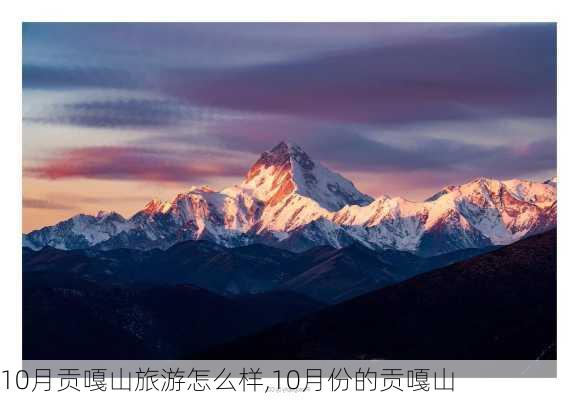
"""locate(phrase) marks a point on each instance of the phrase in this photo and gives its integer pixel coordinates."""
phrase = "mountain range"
(296, 263)
(199, 300)
(288, 201)
(497, 306)
(325, 274)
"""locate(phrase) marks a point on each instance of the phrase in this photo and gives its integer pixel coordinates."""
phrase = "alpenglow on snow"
(288, 200)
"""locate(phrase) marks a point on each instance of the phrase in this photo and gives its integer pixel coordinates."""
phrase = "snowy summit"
(288, 200)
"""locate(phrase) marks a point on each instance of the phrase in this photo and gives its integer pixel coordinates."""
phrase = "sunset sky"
(117, 114)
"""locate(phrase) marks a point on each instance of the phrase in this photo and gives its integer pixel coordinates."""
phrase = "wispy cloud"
(44, 204)
(75, 77)
(200, 100)
(497, 70)
(505, 71)
(119, 113)
(133, 163)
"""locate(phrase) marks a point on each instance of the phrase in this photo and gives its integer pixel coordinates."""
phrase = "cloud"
(438, 154)
(119, 113)
(391, 73)
(356, 147)
(368, 98)
(375, 166)
(82, 199)
(44, 204)
(507, 71)
(138, 46)
(75, 77)
(134, 163)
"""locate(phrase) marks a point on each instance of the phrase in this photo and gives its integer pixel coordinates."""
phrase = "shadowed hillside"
(500, 305)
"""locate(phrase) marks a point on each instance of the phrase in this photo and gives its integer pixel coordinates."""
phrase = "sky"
(116, 114)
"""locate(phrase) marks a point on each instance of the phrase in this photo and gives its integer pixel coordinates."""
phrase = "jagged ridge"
(288, 200)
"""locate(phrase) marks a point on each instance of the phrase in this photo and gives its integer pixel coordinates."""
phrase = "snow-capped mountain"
(287, 171)
(552, 181)
(288, 200)
(480, 213)
(289, 190)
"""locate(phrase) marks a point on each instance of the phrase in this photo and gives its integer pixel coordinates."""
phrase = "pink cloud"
(135, 163)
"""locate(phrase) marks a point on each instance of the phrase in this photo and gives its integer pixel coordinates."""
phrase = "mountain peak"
(202, 189)
(281, 147)
(281, 155)
(287, 169)
(155, 206)
(284, 145)
(483, 181)
(103, 213)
